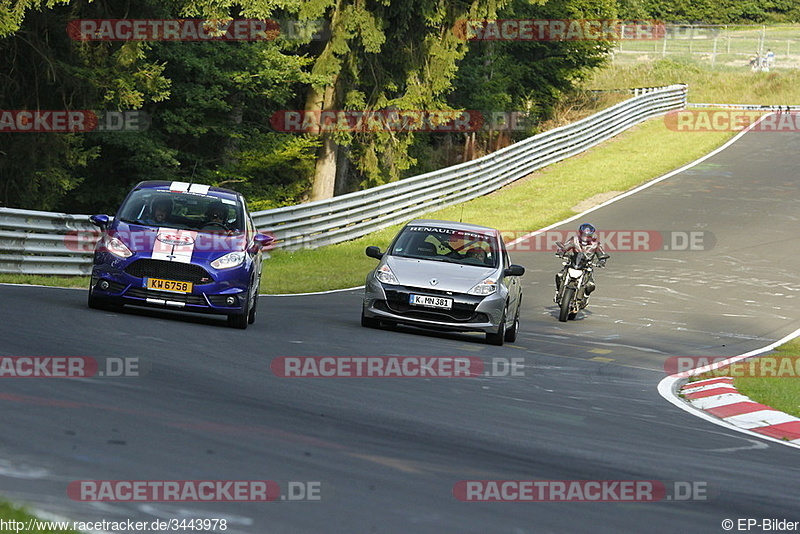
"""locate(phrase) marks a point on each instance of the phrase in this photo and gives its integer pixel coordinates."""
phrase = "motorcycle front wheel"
(566, 303)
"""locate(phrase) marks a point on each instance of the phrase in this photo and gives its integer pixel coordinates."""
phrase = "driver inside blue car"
(160, 210)
(217, 214)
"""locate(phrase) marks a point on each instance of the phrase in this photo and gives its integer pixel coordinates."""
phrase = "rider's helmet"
(586, 233)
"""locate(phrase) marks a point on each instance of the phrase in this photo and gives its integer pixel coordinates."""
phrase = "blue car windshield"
(448, 245)
(183, 211)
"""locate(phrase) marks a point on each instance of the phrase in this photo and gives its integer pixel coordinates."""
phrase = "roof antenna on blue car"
(191, 178)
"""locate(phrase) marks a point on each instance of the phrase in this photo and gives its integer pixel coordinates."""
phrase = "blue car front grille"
(170, 270)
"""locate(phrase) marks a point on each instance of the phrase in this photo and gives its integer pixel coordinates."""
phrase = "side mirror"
(262, 240)
(514, 270)
(374, 252)
(101, 221)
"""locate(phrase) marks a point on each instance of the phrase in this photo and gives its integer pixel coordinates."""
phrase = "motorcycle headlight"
(231, 259)
(384, 274)
(486, 287)
(117, 247)
(575, 273)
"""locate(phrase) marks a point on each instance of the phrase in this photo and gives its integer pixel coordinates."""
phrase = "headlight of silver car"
(486, 287)
(384, 274)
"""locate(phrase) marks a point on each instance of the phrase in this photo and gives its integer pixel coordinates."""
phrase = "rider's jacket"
(592, 248)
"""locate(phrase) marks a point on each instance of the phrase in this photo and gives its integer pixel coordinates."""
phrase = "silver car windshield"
(447, 245)
(184, 211)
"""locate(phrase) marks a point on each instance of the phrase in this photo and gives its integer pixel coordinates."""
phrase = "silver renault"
(445, 275)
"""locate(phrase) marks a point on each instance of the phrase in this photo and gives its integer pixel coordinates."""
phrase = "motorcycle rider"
(587, 242)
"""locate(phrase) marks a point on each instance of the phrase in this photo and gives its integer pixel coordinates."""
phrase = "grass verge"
(10, 512)
(724, 85)
(42, 280)
(778, 387)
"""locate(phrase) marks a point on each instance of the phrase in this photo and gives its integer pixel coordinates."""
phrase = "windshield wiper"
(136, 221)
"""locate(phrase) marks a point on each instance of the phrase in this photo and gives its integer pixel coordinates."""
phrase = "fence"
(717, 45)
(55, 243)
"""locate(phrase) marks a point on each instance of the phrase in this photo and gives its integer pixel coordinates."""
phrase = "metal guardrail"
(353, 215)
(41, 242)
(35, 242)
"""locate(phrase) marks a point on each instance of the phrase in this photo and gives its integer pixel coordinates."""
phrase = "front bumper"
(470, 313)
(111, 283)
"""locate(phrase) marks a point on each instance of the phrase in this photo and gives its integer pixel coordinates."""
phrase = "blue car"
(180, 246)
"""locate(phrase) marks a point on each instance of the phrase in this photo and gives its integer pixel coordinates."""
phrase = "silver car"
(445, 275)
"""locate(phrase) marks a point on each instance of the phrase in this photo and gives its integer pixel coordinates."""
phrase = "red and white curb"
(719, 397)
(717, 401)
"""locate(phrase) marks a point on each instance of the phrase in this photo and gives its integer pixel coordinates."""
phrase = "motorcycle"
(574, 283)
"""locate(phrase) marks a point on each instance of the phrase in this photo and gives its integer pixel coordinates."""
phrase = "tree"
(44, 70)
(529, 77)
(210, 105)
(394, 54)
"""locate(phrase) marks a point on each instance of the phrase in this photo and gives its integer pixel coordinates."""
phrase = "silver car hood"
(453, 277)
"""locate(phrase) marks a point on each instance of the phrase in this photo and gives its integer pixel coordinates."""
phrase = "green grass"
(10, 512)
(41, 280)
(720, 86)
(781, 393)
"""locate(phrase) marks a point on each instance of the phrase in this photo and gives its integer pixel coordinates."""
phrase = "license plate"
(431, 302)
(169, 285)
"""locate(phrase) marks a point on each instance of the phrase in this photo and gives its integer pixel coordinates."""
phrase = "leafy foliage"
(210, 103)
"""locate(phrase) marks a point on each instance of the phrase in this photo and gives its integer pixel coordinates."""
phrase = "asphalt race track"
(388, 452)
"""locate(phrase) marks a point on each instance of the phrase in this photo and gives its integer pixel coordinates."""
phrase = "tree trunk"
(324, 182)
(344, 180)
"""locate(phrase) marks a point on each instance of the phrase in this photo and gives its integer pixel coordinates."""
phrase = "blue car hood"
(173, 244)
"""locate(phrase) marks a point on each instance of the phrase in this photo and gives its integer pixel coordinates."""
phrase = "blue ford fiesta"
(180, 246)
